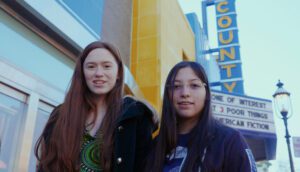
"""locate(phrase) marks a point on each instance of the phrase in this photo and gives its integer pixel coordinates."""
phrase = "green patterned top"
(89, 154)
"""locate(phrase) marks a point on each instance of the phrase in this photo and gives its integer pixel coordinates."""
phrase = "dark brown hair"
(59, 150)
(167, 138)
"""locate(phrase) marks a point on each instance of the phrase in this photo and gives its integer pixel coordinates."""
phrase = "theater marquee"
(243, 112)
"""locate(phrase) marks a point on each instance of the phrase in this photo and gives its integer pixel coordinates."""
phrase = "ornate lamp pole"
(283, 105)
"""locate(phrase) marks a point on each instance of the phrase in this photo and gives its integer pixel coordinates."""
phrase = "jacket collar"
(129, 109)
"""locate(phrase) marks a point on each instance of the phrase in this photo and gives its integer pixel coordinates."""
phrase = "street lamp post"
(283, 105)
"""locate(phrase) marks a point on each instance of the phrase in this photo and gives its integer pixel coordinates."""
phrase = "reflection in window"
(42, 118)
(12, 117)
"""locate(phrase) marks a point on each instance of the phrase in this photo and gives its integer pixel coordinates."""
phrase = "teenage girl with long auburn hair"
(95, 128)
(190, 139)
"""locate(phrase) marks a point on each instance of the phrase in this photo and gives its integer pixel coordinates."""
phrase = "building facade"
(38, 49)
(40, 42)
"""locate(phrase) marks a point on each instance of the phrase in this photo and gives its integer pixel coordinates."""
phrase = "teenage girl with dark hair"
(95, 128)
(190, 139)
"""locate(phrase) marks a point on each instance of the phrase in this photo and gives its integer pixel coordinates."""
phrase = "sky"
(269, 35)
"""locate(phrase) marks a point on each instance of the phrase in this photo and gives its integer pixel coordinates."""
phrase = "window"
(12, 117)
(43, 113)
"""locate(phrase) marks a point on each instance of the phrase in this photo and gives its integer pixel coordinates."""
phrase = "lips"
(98, 83)
(185, 104)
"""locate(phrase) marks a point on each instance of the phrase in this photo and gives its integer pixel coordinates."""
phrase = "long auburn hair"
(167, 138)
(61, 151)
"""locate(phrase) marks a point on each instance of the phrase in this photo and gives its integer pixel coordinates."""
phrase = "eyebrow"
(196, 79)
(104, 62)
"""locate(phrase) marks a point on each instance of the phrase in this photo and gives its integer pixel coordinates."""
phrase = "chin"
(187, 114)
(100, 92)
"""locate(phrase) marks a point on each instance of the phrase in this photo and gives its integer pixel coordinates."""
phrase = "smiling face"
(100, 70)
(189, 94)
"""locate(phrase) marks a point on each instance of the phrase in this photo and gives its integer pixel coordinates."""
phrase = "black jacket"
(133, 137)
(228, 152)
(224, 150)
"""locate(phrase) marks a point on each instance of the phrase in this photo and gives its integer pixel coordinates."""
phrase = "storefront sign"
(243, 112)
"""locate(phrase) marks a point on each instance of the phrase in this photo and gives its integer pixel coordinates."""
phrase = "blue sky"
(269, 35)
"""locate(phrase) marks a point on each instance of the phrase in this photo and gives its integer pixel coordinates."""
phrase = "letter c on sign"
(220, 9)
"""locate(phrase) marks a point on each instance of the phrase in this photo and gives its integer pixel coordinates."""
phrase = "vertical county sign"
(229, 48)
(243, 112)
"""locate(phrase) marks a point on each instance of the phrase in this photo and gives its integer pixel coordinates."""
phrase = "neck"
(98, 116)
(186, 125)
(101, 107)
(99, 99)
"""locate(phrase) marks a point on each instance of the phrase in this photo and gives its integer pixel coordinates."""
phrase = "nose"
(99, 72)
(185, 91)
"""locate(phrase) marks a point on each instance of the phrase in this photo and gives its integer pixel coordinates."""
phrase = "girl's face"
(100, 70)
(189, 94)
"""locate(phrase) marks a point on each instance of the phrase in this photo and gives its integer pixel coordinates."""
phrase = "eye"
(107, 66)
(194, 86)
(90, 66)
(177, 86)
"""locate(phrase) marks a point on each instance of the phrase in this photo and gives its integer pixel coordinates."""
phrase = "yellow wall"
(160, 35)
